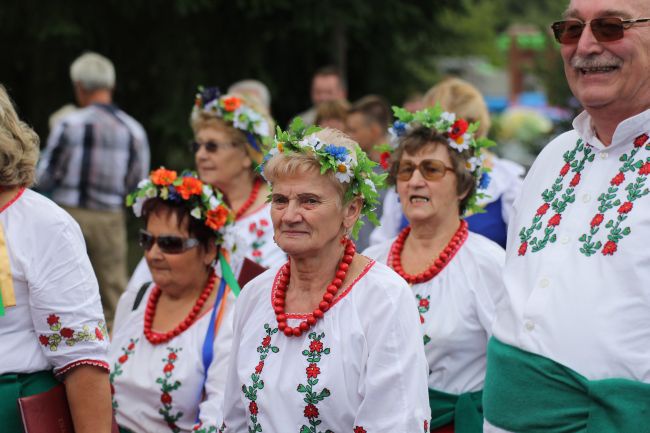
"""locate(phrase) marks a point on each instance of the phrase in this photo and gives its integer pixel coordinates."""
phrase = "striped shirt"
(93, 158)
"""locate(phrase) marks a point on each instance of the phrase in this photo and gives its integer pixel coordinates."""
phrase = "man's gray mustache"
(600, 61)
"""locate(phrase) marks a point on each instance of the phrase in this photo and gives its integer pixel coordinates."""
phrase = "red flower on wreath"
(252, 408)
(618, 179)
(645, 169)
(163, 177)
(259, 367)
(312, 370)
(232, 103)
(555, 220)
(358, 429)
(522, 248)
(576, 180)
(44, 340)
(266, 341)
(316, 346)
(166, 398)
(458, 128)
(597, 220)
(625, 207)
(52, 319)
(640, 140)
(67, 333)
(542, 209)
(311, 411)
(565, 169)
(190, 186)
(383, 160)
(610, 248)
(216, 218)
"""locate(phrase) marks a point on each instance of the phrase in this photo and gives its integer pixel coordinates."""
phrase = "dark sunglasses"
(168, 244)
(430, 169)
(604, 29)
(210, 146)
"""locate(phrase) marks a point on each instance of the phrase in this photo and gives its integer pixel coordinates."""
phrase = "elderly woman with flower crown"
(170, 344)
(455, 276)
(324, 342)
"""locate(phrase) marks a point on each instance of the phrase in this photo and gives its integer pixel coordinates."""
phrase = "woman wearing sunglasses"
(171, 341)
(52, 328)
(455, 275)
(324, 343)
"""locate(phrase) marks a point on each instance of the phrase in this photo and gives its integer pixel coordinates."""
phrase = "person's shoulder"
(130, 121)
(481, 257)
(378, 281)
(560, 144)
(41, 211)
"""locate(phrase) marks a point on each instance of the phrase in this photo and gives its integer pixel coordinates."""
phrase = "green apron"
(529, 393)
(464, 410)
(13, 386)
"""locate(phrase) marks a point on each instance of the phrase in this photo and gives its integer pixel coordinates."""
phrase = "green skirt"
(14, 386)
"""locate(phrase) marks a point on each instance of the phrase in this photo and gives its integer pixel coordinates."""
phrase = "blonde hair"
(93, 71)
(289, 164)
(460, 97)
(336, 109)
(18, 146)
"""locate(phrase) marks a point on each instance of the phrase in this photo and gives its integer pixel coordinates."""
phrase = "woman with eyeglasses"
(455, 275)
(171, 342)
(324, 343)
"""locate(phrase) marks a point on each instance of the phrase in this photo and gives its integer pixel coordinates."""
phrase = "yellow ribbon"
(7, 295)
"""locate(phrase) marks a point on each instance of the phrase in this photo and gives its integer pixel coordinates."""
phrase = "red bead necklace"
(250, 200)
(325, 304)
(438, 264)
(157, 337)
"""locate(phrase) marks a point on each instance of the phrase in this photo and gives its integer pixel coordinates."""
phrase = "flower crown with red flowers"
(203, 201)
(460, 136)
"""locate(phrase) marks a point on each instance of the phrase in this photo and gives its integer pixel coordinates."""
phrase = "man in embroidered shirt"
(93, 158)
(571, 346)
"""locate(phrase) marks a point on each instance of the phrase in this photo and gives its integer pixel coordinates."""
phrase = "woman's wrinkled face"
(424, 199)
(175, 271)
(307, 213)
(225, 162)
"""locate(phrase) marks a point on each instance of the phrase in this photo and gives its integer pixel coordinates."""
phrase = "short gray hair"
(93, 71)
(253, 88)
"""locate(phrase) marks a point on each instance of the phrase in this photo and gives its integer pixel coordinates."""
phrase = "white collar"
(625, 132)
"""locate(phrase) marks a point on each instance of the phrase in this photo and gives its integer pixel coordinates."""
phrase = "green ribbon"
(464, 410)
(525, 392)
(227, 274)
(2, 306)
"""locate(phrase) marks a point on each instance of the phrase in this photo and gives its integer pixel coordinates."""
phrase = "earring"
(344, 239)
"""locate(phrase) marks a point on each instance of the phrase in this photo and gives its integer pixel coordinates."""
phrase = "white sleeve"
(490, 289)
(390, 220)
(395, 384)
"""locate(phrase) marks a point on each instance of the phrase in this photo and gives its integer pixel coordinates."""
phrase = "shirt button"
(544, 282)
(604, 155)
(529, 325)
(586, 198)
(564, 240)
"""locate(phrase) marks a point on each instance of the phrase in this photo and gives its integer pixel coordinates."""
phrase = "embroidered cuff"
(93, 362)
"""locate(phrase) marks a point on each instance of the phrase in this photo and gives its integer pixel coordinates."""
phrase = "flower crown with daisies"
(356, 171)
(460, 136)
(204, 202)
(237, 112)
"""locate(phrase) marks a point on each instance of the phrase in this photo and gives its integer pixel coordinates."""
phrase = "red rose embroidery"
(576, 180)
(44, 340)
(640, 140)
(618, 179)
(259, 367)
(264, 223)
(99, 335)
(458, 128)
(311, 411)
(555, 220)
(256, 253)
(316, 346)
(358, 429)
(426, 425)
(67, 333)
(565, 169)
(252, 407)
(597, 220)
(625, 207)
(609, 248)
(165, 398)
(52, 319)
(313, 370)
(260, 233)
(122, 359)
(424, 303)
(172, 356)
(168, 368)
(543, 208)
(421, 318)
(131, 346)
(645, 169)
(252, 227)
(522, 248)
(266, 341)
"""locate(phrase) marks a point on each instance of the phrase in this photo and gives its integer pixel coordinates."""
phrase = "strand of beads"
(250, 200)
(438, 264)
(158, 337)
(323, 306)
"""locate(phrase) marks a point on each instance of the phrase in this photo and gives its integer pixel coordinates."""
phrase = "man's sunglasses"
(430, 169)
(604, 29)
(210, 146)
(168, 244)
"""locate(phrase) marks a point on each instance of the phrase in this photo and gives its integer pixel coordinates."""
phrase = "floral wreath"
(460, 136)
(237, 112)
(359, 173)
(205, 202)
